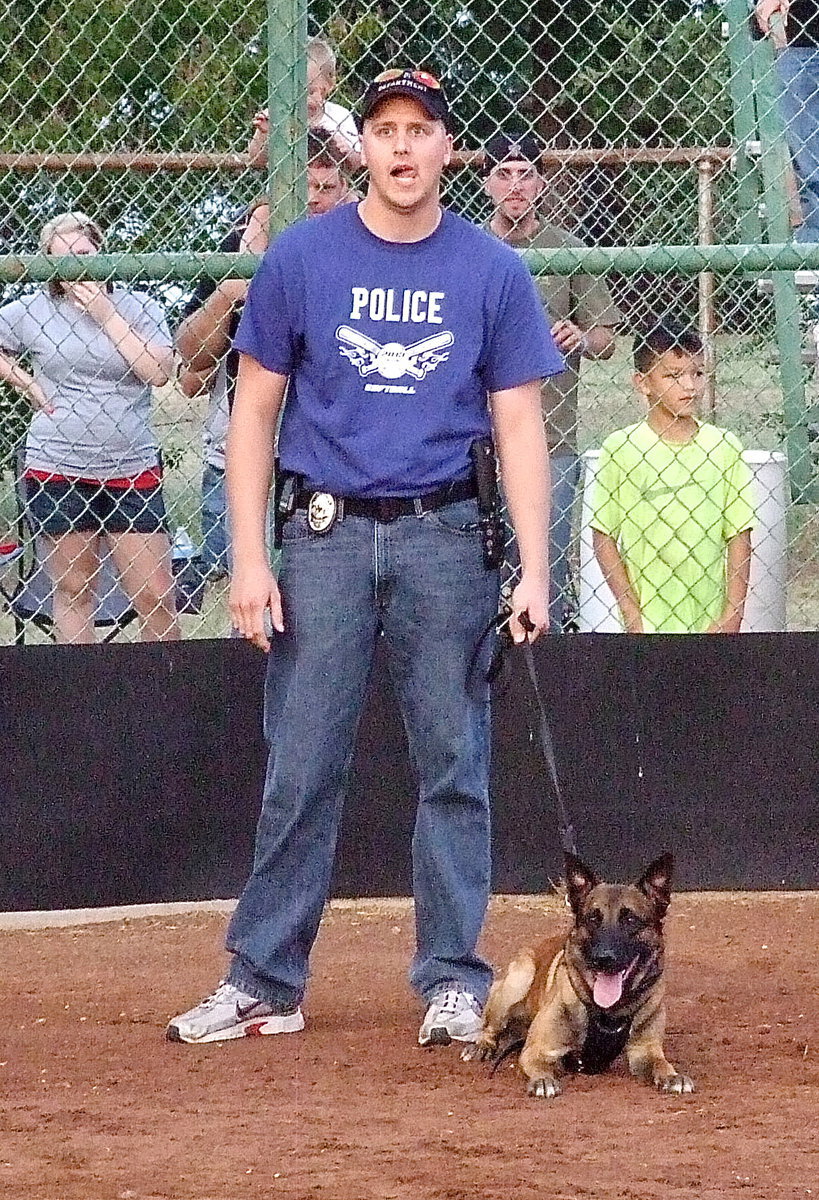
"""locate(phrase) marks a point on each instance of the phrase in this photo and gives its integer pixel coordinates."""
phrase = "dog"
(574, 1005)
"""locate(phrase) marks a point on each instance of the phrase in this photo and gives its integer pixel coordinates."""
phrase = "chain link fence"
(656, 125)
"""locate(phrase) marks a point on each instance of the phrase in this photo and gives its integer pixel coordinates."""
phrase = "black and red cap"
(405, 81)
(506, 147)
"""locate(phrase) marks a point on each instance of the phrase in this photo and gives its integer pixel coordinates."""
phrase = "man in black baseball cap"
(583, 318)
(406, 340)
(405, 81)
(504, 146)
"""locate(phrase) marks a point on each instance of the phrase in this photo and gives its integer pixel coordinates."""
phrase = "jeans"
(421, 581)
(798, 68)
(565, 472)
(215, 535)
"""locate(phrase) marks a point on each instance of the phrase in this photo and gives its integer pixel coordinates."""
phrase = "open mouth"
(607, 988)
(403, 171)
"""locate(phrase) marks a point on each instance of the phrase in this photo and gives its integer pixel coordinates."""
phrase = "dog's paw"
(544, 1089)
(676, 1085)
(478, 1051)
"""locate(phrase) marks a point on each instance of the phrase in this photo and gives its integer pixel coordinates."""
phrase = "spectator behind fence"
(211, 318)
(203, 342)
(798, 68)
(323, 115)
(584, 318)
(673, 507)
(402, 335)
(327, 181)
(92, 463)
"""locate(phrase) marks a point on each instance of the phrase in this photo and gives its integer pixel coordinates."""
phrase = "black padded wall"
(131, 774)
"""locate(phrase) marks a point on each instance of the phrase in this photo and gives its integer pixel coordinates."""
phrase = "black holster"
(285, 489)
(485, 468)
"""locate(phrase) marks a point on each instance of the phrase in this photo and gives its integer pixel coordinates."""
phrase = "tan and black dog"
(575, 1004)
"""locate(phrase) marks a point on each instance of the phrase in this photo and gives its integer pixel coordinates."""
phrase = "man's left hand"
(530, 610)
(568, 337)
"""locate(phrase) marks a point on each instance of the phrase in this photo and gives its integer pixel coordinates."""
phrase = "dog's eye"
(630, 919)
(594, 917)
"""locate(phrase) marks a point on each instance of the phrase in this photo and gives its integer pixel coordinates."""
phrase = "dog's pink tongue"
(608, 988)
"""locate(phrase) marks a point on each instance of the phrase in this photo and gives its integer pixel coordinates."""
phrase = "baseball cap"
(504, 147)
(405, 81)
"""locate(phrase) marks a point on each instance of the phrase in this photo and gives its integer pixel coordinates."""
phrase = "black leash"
(565, 829)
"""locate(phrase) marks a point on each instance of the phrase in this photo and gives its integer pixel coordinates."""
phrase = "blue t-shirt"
(391, 348)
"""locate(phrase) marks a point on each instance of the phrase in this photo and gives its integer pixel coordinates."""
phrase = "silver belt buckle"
(322, 510)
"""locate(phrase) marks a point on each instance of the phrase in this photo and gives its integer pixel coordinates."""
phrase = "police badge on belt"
(322, 511)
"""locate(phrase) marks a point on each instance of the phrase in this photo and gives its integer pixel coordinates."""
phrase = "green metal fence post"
(738, 47)
(287, 108)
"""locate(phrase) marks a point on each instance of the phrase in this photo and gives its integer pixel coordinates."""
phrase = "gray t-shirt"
(583, 299)
(100, 427)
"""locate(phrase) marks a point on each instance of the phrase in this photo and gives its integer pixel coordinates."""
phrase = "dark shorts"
(70, 506)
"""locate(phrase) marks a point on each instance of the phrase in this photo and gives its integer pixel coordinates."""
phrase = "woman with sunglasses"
(404, 337)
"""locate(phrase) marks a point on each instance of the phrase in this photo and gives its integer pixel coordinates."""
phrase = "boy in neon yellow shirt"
(673, 508)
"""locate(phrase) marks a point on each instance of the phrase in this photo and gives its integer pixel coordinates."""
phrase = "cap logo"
(415, 84)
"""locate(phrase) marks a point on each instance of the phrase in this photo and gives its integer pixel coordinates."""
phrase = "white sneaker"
(452, 1016)
(231, 1013)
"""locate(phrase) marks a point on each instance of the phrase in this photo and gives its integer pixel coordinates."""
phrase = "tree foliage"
(171, 75)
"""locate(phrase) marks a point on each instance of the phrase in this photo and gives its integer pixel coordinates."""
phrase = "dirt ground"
(96, 1106)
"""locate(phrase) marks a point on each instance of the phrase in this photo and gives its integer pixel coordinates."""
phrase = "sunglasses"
(422, 77)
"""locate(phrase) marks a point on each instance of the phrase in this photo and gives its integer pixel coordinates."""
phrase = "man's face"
(405, 151)
(514, 188)
(325, 189)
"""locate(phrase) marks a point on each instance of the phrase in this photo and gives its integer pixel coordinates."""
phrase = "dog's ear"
(579, 881)
(655, 882)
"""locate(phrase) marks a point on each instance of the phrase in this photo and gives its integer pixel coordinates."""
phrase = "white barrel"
(765, 606)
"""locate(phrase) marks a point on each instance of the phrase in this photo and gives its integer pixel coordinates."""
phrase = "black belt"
(389, 508)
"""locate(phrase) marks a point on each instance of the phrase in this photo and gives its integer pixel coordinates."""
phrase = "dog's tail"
(514, 1046)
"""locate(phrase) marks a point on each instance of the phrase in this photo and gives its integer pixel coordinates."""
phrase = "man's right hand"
(253, 592)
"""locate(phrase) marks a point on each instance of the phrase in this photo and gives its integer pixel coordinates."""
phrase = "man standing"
(796, 38)
(584, 318)
(403, 336)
